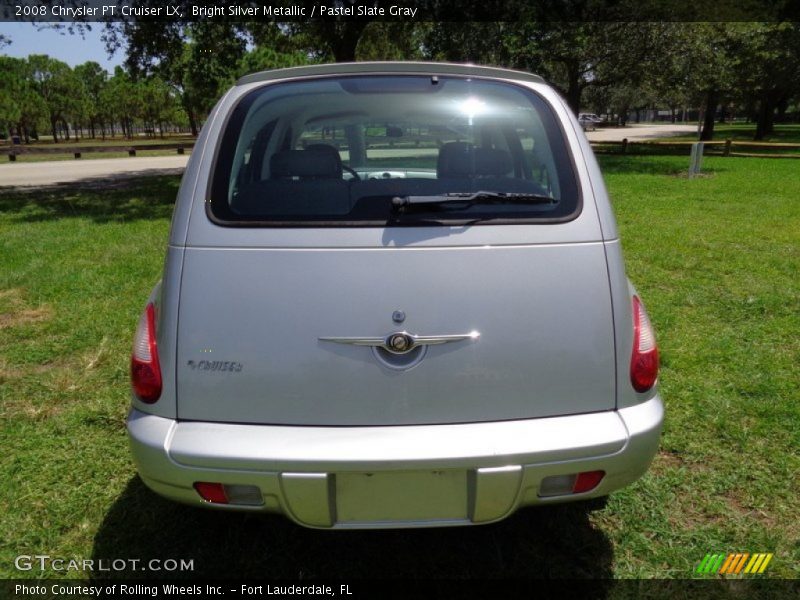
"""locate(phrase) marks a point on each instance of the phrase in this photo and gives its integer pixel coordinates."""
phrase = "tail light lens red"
(587, 481)
(145, 370)
(574, 483)
(211, 492)
(644, 360)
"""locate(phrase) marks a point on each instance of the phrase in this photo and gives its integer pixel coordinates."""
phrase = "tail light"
(211, 492)
(644, 360)
(218, 493)
(574, 483)
(145, 370)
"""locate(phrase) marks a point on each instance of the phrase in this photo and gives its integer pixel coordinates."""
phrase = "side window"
(538, 159)
(252, 155)
(329, 134)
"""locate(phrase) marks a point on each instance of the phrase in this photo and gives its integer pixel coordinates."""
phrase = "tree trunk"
(623, 116)
(22, 131)
(783, 106)
(66, 130)
(766, 117)
(343, 37)
(54, 129)
(574, 88)
(192, 122)
(712, 99)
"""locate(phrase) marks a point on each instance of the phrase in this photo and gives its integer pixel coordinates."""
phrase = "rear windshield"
(392, 151)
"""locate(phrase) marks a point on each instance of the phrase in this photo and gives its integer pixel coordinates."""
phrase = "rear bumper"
(399, 476)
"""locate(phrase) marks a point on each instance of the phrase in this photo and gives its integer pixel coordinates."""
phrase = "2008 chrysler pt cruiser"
(393, 296)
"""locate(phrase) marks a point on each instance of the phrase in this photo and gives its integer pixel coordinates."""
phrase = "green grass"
(716, 260)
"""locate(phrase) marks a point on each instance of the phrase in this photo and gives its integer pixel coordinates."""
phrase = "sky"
(27, 38)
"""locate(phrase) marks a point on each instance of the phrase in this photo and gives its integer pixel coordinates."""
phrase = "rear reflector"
(644, 359)
(211, 492)
(587, 481)
(145, 370)
(574, 483)
(218, 493)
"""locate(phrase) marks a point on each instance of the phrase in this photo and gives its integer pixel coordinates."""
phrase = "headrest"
(461, 159)
(316, 162)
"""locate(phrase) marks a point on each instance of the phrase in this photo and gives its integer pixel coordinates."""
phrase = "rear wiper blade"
(470, 198)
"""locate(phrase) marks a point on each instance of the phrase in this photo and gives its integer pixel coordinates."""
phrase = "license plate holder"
(401, 496)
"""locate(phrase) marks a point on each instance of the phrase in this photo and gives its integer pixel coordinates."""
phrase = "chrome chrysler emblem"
(402, 342)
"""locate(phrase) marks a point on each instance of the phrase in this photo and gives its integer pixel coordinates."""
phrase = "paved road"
(639, 132)
(67, 171)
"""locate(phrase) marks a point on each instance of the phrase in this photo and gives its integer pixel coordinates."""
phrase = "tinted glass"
(341, 151)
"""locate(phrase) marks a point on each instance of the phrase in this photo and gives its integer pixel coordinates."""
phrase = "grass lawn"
(716, 259)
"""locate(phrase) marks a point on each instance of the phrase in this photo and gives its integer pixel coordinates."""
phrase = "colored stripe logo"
(734, 563)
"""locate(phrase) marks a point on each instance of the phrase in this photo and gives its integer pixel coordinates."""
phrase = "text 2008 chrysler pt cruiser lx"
(393, 296)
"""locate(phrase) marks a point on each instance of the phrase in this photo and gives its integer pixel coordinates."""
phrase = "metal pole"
(696, 159)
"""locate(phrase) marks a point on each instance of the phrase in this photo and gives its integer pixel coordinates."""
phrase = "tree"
(61, 90)
(580, 55)
(199, 60)
(123, 99)
(390, 40)
(94, 79)
(264, 58)
(772, 53)
(335, 40)
(572, 55)
(12, 80)
(157, 105)
(478, 42)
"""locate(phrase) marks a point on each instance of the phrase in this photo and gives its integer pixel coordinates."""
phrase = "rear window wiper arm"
(470, 198)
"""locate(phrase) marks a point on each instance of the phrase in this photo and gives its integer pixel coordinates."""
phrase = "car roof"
(410, 68)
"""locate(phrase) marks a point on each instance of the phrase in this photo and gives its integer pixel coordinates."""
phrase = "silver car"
(393, 296)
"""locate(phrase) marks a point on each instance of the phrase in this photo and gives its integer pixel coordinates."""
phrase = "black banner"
(67, 589)
(69, 11)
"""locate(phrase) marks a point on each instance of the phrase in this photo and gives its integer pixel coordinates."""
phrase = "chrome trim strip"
(412, 341)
